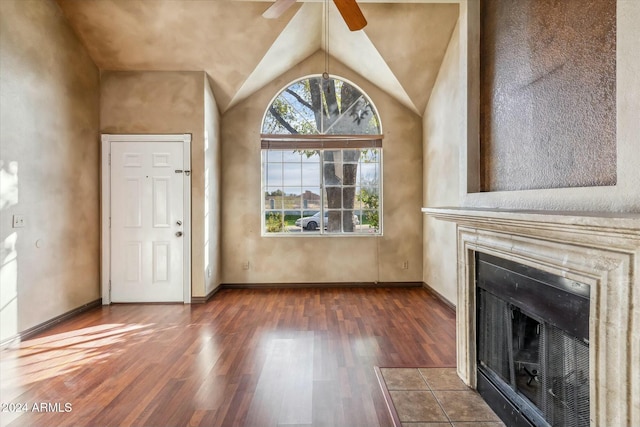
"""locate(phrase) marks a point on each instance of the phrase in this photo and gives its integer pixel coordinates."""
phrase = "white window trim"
(321, 141)
(321, 233)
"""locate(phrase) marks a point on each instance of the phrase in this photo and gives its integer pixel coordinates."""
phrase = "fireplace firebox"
(532, 344)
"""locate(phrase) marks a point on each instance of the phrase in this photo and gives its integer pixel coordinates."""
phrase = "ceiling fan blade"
(278, 8)
(351, 14)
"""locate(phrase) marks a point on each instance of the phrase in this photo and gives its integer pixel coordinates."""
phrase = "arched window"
(321, 161)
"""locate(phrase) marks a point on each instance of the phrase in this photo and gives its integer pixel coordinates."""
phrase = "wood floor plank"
(259, 357)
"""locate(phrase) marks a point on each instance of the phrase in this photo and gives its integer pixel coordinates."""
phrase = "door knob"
(178, 233)
(179, 222)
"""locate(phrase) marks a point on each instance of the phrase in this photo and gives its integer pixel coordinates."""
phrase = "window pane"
(370, 221)
(331, 177)
(274, 222)
(350, 156)
(356, 119)
(274, 156)
(331, 156)
(311, 175)
(273, 173)
(311, 222)
(292, 198)
(349, 196)
(287, 115)
(332, 168)
(349, 174)
(298, 99)
(291, 156)
(369, 173)
(369, 197)
(310, 156)
(370, 155)
(349, 221)
(357, 214)
(333, 221)
(292, 174)
(273, 198)
(311, 199)
(333, 197)
(271, 125)
(358, 205)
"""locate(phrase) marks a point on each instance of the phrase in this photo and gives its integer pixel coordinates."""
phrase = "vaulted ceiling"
(400, 50)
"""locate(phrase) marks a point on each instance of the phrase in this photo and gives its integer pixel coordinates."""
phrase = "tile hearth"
(433, 397)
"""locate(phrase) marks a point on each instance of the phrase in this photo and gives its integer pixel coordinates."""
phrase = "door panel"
(133, 203)
(146, 222)
(161, 264)
(133, 260)
(161, 199)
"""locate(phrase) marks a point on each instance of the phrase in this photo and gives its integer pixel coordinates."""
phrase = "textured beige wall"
(321, 259)
(212, 189)
(623, 197)
(443, 131)
(49, 121)
(548, 95)
(158, 102)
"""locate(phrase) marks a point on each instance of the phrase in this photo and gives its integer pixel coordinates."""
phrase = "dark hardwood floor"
(294, 357)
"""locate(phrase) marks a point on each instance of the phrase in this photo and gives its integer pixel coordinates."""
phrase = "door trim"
(105, 210)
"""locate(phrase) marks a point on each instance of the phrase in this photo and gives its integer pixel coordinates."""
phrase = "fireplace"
(595, 251)
(532, 344)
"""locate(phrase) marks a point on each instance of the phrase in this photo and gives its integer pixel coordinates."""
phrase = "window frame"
(321, 232)
(286, 142)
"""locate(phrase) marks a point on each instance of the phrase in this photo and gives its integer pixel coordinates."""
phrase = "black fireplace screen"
(530, 359)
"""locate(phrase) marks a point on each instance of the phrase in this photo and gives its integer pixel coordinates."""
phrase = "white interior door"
(147, 221)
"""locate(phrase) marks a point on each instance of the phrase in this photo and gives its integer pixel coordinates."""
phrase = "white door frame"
(105, 211)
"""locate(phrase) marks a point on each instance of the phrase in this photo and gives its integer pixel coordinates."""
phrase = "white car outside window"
(312, 223)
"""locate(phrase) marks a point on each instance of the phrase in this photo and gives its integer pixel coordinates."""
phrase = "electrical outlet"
(405, 265)
(18, 221)
(245, 265)
(208, 271)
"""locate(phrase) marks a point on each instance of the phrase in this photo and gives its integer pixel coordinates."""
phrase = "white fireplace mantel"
(601, 250)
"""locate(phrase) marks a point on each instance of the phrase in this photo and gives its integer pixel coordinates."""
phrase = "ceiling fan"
(349, 10)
